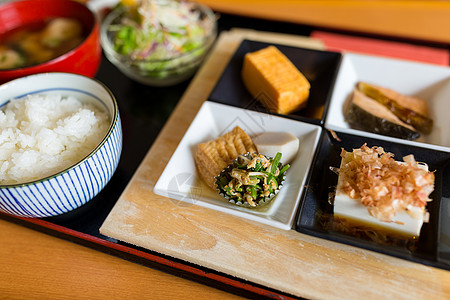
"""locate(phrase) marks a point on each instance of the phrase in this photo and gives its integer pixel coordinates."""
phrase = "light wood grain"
(284, 260)
(38, 266)
(422, 20)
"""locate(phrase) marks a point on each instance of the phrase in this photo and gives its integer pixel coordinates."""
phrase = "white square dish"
(181, 182)
(426, 81)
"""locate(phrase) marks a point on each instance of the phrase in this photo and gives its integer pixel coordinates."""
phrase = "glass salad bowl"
(158, 43)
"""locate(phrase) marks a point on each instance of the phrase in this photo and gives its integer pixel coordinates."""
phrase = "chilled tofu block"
(377, 192)
(274, 80)
(357, 215)
(270, 143)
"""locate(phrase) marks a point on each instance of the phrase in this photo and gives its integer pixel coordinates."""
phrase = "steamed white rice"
(44, 134)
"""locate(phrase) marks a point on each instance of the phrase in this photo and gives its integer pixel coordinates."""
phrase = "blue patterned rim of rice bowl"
(76, 185)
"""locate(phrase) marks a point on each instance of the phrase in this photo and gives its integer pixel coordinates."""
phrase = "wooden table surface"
(412, 19)
(39, 266)
(36, 265)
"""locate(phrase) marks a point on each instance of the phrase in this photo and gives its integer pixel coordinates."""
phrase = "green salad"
(153, 32)
(252, 179)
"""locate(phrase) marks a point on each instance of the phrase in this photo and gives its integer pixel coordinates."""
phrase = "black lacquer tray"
(144, 111)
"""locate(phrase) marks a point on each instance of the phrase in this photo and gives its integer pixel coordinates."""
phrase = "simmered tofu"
(270, 143)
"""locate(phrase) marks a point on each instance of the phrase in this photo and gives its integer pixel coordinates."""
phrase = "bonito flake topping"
(386, 186)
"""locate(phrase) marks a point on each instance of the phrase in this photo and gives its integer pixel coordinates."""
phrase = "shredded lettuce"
(152, 32)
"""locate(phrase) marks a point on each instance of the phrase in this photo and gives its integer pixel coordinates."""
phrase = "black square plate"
(319, 67)
(430, 249)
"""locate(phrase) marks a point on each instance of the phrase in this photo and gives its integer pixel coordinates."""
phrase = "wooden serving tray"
(287, 261)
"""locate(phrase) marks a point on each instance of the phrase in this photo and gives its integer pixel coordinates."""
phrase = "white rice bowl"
(60, 143)
(41, 135)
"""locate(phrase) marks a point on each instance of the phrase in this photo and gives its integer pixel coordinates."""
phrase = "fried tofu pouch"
(214, 156)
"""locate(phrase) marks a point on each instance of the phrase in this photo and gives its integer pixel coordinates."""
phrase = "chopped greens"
(252, 180)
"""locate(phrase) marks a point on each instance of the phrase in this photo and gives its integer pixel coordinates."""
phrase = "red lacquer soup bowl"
(81, 56)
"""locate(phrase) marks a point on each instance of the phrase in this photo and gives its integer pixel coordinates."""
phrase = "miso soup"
(39, 42)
